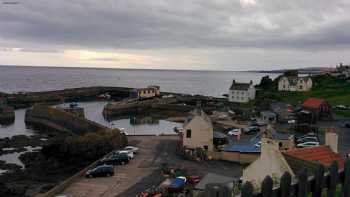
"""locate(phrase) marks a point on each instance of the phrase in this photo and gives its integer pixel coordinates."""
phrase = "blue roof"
(244, 147)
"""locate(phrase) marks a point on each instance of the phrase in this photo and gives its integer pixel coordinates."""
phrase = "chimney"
(332, 139)
(251, 82)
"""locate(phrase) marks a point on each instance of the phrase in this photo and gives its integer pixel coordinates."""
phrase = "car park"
(308, 144)
(100, 171)
(132, 149)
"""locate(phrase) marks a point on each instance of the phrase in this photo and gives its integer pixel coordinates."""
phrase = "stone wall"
(42, 115)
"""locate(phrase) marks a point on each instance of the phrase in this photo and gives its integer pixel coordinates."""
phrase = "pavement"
(143, 172)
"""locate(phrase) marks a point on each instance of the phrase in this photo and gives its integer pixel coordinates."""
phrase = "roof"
(240, 86)
(293, 80)
(313, 102)
(322, 154)
(213, 178)
(245, 146)
(200, 113)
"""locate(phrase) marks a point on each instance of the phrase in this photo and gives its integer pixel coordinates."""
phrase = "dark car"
(251, 130)
(116, 159)
(100, 171)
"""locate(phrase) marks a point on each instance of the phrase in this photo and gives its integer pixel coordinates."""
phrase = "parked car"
(130, 154)
(258, 124)
(193, 180)
(116, 159)
(258, 144)
(308, 144)
(251, 130)
(346, 124)
(132, 148)
(306, 139)
(100, 171)
(291, 121)
(235, 132)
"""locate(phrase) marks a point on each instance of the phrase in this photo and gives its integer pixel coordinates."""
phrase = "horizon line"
(159, 69)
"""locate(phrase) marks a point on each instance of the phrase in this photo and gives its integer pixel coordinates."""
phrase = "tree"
(266, 83)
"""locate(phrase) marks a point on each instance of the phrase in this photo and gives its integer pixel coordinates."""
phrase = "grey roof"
(240, 86)
(244, 146)
(198, 112)
(213, 178)
(293, 80)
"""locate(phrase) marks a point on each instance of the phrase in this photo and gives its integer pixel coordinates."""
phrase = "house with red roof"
(309, 157)
(320, 109)
(275, 163)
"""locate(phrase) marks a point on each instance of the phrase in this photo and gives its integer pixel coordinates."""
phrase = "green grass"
(335, 91)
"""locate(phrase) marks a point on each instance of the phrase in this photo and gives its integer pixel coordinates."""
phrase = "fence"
(326, 182)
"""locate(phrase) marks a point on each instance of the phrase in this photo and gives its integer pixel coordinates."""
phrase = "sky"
(175, 34)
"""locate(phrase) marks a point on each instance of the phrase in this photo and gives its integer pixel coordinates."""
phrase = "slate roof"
(247, 146)
(313, 103)
(240, 86)
(322, 154)
(293, 80)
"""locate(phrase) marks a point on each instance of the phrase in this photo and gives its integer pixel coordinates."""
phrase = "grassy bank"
(335, 91)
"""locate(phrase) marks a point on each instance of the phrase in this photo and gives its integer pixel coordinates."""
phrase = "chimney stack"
(332, 139)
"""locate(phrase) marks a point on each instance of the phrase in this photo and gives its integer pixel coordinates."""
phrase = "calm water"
(93, 111)
(211, 83)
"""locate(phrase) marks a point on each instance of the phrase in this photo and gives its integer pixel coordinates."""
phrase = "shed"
(320, 109)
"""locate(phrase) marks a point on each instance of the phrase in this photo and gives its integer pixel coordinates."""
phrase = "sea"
(209, 83)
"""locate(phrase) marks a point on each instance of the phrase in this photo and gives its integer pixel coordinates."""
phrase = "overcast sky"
(175, 34)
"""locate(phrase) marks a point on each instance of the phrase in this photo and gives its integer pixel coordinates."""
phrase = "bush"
(86, 148)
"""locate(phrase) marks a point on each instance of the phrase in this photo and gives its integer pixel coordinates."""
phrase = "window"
(301, 87)
(188, 133)
(206, 147)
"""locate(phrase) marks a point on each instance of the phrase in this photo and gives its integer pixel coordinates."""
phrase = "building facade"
(144, 93)
(295, 84)
(241, 92)
(198, 131)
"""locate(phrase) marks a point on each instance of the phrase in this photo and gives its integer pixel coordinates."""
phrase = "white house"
(198, 131)
(241, 92)
(295, 84)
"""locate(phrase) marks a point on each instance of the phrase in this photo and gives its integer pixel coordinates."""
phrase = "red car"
(193, 180)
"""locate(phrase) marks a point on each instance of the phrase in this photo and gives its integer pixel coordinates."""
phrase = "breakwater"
(137, 106)
(59, 120)
(27, 99)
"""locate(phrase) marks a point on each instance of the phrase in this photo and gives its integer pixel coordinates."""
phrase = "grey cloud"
(134, 24)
